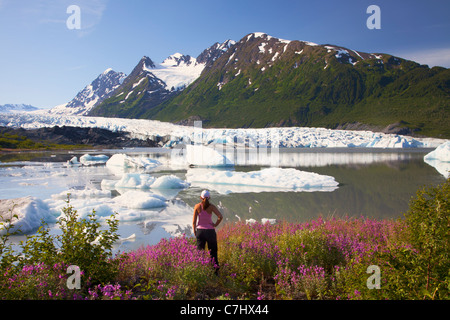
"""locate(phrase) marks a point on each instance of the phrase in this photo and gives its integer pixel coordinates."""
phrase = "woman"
(204, 228)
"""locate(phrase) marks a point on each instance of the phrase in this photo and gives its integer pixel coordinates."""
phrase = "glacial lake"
(375, 183)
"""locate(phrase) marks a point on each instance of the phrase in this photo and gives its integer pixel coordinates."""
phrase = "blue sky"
(44, 63)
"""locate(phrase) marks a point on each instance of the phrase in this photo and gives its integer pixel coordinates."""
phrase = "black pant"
(208, 236)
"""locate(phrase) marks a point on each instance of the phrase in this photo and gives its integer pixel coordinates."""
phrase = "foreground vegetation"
(320, 259)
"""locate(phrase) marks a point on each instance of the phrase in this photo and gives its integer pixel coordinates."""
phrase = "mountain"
(263, 81)
(7, 108)
(93, 94)
(149, 85)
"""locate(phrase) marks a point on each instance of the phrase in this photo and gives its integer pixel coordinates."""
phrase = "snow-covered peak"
(226, 45)
(7, 108)
(146, 64)
(107, 71)
(267, 37)
(178, 71)
(259, 35)
(212, 53)
(177, 59)
(94, 93)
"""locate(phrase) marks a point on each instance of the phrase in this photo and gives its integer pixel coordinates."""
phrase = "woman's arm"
(219, 216)
(194, 220)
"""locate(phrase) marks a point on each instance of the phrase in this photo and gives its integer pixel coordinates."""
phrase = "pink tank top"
(205, 220)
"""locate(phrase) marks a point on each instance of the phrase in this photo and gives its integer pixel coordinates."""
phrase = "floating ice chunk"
(82, 194)
(169, 182)
(441, 153)
(199, 155)
(119, 163)
(89, 160)
(73, 162)
(140, 200)
(265, 180)
(84, 207)
(108, 184)
(440, 159)
(30, 213)
(145, 181)
(135, 181)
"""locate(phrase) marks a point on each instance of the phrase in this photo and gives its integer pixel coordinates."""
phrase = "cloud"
(55, 12)
(431, 57)
(91, 12)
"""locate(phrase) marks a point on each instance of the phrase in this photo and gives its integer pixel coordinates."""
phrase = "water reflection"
(375, 183)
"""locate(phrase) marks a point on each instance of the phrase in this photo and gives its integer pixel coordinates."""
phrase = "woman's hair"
(205, 203)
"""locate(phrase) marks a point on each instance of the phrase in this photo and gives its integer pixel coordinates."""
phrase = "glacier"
(281, 137)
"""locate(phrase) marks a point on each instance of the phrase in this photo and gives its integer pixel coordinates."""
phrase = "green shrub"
(81, 243)
(7, 254)
(420, 269)
(428, 220)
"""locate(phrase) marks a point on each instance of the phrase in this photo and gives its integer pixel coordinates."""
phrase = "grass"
(14, 142)
(320, 259)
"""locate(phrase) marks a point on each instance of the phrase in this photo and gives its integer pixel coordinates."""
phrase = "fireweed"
(172, 269)
(319, 259)
(316, 259)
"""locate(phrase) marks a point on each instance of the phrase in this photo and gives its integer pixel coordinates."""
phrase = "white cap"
(205, 194)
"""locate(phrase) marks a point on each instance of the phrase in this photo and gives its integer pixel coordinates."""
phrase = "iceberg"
(89, 160)
(265, 180)
(72, 162)
(30, 213)
(132, 181)
(140, 200)
(440, 159)
(82, 194)
(145, 181)
(169, 182)
(441, 153)
(199, 155)
(121, 163)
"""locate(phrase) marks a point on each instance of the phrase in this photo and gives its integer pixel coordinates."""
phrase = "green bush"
(7, 254)
(428, 220)
(420, 269)
(81, 243)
